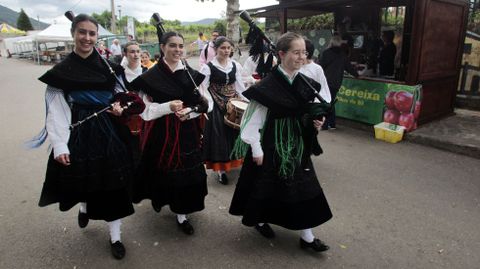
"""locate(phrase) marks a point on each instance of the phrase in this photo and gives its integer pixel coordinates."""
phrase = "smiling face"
(293, 59)
(85, 37)
(173, 49)
(224, 51)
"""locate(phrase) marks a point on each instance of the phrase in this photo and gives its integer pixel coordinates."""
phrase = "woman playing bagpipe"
(171, 170)
(278, 183)
(91, 161)
(223, 81)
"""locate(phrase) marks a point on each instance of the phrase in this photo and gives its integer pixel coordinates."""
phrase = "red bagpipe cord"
(170, 157)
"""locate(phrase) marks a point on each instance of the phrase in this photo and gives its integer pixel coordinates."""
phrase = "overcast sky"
(183, 10)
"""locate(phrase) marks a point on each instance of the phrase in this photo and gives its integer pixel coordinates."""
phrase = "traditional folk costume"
(223, 83)
(101, 167)
(284, 190)
(171, 170)
(135, 122)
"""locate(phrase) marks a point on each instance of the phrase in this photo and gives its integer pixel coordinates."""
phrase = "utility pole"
(38, 22)
(120, 19)
(114, 23)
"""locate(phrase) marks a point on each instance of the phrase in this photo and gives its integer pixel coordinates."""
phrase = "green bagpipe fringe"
(289, 146)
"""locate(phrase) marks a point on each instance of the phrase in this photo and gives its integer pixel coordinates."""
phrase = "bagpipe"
(256, 38)
(129, 101)
(202, 106)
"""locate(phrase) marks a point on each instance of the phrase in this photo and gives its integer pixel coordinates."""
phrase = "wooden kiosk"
(433, 38)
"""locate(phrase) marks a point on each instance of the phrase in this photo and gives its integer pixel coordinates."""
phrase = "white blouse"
(131, 74)
(156, 110)
(239, 86)
(58, 119)
(315, 72)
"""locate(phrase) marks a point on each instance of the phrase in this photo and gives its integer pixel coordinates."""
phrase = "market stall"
(429, 45)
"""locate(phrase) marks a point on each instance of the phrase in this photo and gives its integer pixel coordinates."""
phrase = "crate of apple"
(402, 108)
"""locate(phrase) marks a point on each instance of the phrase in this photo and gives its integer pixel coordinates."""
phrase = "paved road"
(394, 205)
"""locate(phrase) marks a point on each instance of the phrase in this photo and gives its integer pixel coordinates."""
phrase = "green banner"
(364, 100)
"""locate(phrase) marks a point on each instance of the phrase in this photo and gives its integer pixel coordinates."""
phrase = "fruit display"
(402, 108)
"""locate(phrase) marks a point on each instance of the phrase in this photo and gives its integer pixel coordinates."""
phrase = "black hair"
(220, 40)
(166, 37)
(310, 48)
(81, 18)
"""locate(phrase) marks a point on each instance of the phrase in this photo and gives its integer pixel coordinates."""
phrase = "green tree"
(23, 22)
(104, 18)
(232, 24)
(220, 26)
(323, 21)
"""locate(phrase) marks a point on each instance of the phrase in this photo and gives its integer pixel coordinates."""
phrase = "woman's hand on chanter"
(183, 114)
(176, 105)
(116, 109)
(318, 123)
(63, 159)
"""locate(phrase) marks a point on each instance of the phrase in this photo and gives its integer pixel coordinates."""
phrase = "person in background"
(223, 81)
(257, 66)
(334, 62)
(315, 71)
(116, 51)
(200, 42)
(386, 57)
(208, 52)
(145, 60)
(132, 65)
(105, 52)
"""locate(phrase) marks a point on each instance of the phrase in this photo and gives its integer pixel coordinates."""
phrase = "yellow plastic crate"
(389, 132)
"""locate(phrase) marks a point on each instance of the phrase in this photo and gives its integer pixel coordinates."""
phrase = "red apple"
(416, 112)
(391, 116)
(389, 100)
(403, 101)
(407, 120)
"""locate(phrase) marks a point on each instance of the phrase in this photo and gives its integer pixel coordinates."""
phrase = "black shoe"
(186, 227)
(82, 219)
(223, 179)
(118, 250)
(265, 230)
(316, 245)
(156, 207)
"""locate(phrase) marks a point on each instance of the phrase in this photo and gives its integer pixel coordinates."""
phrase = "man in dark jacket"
(334, 62)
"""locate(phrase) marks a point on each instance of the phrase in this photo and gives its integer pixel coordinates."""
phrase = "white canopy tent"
(12, 45)
(59, 31)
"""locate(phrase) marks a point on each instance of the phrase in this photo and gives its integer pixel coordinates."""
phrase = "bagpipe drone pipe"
(202, 105)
